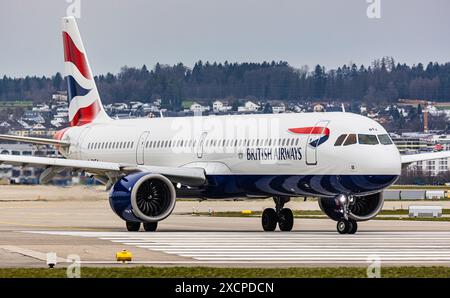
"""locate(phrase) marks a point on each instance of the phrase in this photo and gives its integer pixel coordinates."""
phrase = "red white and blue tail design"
(84, 101)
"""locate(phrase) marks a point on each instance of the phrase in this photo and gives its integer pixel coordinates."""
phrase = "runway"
(284, 248)
(90, 230)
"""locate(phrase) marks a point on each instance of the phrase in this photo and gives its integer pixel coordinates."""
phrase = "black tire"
(343, 226)
(150, 226)
(353, 226)
(133, 226)
(285, 220)
(269, 220)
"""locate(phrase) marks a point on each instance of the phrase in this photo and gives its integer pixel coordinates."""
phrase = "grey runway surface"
(29, 230)
(284, 248)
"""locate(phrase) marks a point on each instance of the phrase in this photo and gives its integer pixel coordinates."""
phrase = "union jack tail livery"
(85, 105)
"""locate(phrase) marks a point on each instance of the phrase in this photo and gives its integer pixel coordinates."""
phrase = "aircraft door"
(201, 144)
(140, 148)
(318, 134)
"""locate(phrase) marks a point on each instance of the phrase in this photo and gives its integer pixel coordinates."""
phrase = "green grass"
(192, 272)
(422, 187)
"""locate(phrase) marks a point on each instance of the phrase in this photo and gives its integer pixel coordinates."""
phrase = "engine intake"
(361, 209)
(143, 197)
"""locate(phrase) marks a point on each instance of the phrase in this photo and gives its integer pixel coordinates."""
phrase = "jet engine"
(361, 208)
(143, 197)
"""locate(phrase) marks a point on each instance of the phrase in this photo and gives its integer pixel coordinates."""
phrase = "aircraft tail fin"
(85, 105)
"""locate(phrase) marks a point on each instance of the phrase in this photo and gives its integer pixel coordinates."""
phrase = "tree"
(57, 81)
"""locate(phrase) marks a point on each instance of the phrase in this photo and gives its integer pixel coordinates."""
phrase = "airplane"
(344, 160)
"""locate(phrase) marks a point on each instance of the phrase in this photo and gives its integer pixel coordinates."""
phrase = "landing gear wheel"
(343, 226)
(285, 219)
(269, 219)
(353, 226)
(133, 226)
(150, 226)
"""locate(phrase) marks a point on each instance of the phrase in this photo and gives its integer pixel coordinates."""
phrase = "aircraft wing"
(106, 172)
(410, 158)
(41, 141)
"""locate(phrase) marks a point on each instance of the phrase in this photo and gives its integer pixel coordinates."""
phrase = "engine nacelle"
(361, 209)
(143, 197)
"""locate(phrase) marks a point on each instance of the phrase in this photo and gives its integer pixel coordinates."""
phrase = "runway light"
(51, 259)
(124, 256)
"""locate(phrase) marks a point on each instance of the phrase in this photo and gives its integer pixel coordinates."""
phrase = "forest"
(382, 82)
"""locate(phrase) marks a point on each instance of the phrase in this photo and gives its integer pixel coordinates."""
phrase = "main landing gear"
(281, 216)
(346, 225)
(133, 226)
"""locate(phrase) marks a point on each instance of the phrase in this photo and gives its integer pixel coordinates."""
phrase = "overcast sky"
(301, 32)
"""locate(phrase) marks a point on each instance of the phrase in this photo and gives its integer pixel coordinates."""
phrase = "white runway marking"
(294, 247)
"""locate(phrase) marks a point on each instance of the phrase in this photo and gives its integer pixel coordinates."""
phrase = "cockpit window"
(351, 139)
(340, 140)
(368, 139)
(385, 139)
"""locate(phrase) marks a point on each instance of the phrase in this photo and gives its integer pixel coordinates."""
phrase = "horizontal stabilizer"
(41, 141)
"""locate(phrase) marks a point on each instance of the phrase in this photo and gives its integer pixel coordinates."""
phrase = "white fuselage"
(240, 144)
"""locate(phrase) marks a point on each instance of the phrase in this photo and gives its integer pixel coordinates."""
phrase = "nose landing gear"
(346, 225)
(280, 215)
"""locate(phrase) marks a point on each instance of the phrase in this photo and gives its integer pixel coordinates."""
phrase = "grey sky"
(136, 32)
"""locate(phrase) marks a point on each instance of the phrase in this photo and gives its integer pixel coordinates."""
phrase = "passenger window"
(340, 140)
(367, 139)
(351, 139)
(385, 139)
(296, 142)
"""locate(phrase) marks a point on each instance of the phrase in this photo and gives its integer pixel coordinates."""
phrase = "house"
(33, 116)
(218, 106)
(5, 124)
(249, 107)
(60, 96)
(277, 109)
(198, 108)
(318, 108)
